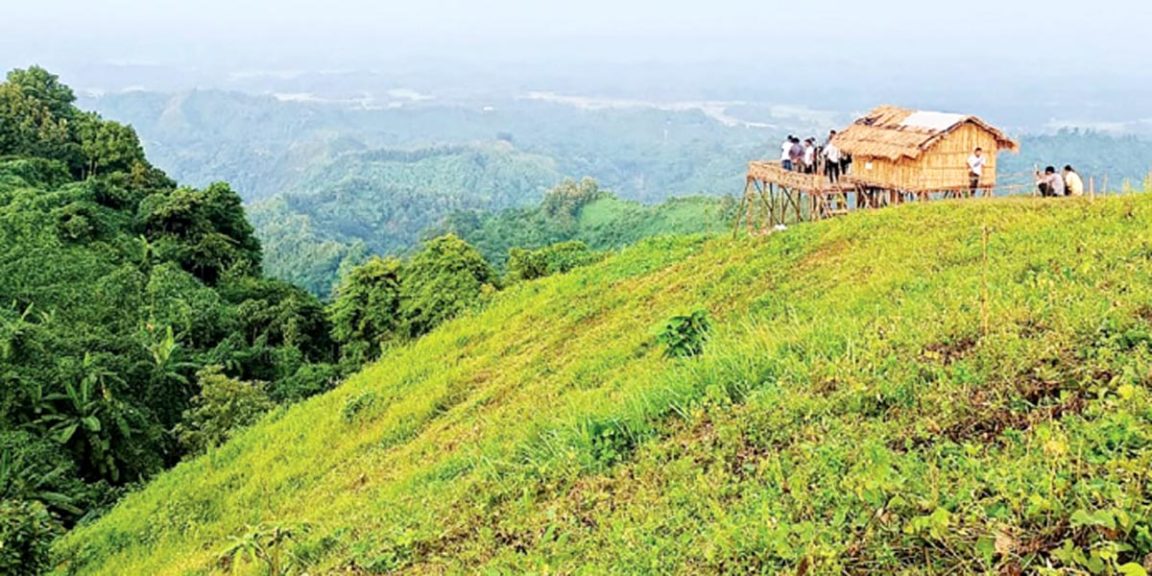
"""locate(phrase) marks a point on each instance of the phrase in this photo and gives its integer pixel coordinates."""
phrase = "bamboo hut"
(918, 152)
(897, 155)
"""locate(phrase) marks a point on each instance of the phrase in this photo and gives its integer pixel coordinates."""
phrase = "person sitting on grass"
(1050, 183)
(1073, 183)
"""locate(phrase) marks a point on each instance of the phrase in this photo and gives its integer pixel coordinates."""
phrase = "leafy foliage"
(555, 259)
(265, 545)
(101, 431)
(34, 469)
(684, 336)
(116, 288)
(446, 277)
(387, 300)
(26, 533)
(223, 406)
(204, 231)
(366, 311)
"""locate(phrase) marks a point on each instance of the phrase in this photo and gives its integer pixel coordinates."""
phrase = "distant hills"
(329, 183)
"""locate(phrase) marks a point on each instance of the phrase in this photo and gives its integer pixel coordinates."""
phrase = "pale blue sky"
(1077, 55)
(1105, 31)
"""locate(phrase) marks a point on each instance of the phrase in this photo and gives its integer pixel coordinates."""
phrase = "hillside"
(585, 212)
(881, 394)
(380, 201)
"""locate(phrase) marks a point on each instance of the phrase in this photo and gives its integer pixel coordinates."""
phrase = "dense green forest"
(382, 202)
(124, 299)
(265, 146)
(137, 327)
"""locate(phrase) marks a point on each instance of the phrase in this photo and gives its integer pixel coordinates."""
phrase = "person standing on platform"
(832, 161)
(810, 156)
(786, 153)
(796, 154)
(976, 163)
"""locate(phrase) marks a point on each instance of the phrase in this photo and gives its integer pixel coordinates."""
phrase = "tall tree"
(446, 277)
(366, 311)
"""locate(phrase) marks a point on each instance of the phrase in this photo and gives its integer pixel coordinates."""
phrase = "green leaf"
(65, 434)
(91, 424)
(1133, 569)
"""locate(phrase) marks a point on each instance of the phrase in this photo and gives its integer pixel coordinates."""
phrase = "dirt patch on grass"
(1145, 313)
(948, 351)
(988, 420)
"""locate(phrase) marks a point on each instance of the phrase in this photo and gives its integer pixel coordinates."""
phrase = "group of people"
(1051, 184)
(808, 157)
(1064, 183)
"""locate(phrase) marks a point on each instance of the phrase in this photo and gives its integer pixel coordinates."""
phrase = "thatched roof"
(895, 133)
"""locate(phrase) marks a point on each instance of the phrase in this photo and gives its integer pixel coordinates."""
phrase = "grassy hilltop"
(880, 395)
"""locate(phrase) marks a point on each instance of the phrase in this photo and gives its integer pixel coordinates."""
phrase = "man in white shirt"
(1073, 183)
(976, 163)
(786, 154)
(1051, 184)
(832, 162)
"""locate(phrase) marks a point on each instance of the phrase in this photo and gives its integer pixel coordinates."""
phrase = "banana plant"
(19, 480)
(86, 419)
(11, 333)
(265, 544)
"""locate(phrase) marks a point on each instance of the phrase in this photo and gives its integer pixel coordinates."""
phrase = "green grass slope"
(880, 395)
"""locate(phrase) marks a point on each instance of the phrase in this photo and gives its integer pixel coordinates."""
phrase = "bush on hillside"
(684, 336)
(223, 406)
(555, 259)
(366, 310)
(442, 280)
(308, 381)
(570, 196)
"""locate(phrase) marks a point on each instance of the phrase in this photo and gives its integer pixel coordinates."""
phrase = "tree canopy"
(117, 290)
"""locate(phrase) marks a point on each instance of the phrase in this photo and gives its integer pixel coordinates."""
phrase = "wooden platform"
(774, 196)
(774, 173)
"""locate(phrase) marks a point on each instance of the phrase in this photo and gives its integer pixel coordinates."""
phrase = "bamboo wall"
(943, 167)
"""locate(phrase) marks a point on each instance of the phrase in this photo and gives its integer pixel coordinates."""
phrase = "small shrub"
(309, 380)
(354, 406)
(266, 544)
(610, 441)
(684, 336)
(559, 258)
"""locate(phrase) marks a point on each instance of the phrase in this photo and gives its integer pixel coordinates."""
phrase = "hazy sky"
(1029, 31)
